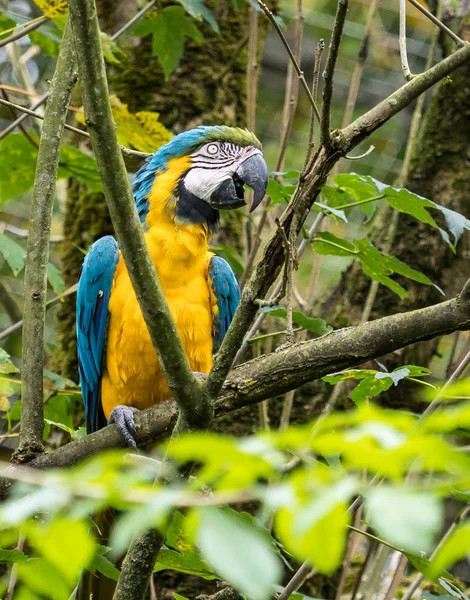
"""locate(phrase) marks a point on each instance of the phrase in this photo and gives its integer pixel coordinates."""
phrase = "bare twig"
(270, 16)
(438, 22)
(333, 50)
(259, 320)
(37, 259)
(133, 20)
(19, 324)
(22, 117)
(23, 233)
(24, 131)
(9, 303)
(36, 115)
(34, 24)
(402, 43)
(319, 48)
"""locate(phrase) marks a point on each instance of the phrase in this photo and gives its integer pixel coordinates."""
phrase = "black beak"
(253, 172)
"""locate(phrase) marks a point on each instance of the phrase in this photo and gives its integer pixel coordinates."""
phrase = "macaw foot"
(123, 418)
(199, 375)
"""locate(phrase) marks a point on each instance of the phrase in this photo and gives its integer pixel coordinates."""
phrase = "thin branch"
(359, 66)
(259, 320)
(319, 48)
(22, 117)
(133, 20)
(19, 34)
(24, 233)
(24, 131)
(37, 258)
(274, 23)
(36, 115)
(438, 22)
(333, 50)
(405, 67)
(19, 324)
(9, 303)
(362, 127)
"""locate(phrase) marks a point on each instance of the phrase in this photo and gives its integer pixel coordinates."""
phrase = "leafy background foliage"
(420, 464)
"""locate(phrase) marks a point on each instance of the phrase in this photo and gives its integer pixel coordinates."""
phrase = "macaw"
(178, 192)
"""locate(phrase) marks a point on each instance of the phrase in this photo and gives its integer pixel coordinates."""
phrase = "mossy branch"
(193, 403)
(282, 371)
(37, 259)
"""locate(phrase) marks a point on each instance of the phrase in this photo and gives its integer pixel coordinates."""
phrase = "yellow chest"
(181, 257)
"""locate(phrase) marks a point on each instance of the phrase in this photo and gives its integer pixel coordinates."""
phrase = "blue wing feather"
(227, 293)
(94, 290)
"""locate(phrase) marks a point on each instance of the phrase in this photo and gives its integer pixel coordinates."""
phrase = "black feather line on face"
(192, 210)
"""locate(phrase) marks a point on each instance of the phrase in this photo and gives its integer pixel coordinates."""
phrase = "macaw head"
(200, 172)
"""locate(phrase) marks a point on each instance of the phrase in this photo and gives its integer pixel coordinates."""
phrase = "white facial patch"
(214, 163)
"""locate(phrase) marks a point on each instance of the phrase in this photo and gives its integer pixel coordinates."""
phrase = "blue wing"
(94, 290)
(227, 293)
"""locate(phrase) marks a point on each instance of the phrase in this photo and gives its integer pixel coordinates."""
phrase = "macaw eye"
(212, 149)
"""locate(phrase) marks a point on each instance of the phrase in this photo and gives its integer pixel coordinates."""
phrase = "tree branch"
(282, 371)
(37, 259)
(187, 391)
(333, 50)
(362, 127)
(24, 31)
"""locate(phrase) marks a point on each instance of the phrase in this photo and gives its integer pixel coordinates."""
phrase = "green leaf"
(169, 28)
(55, 278)
(65, 543)
(407, 518)
(6, 366)
(313, 525)
(103, 565)
(13, 253)
(455, 547)
(6, 23)
(18, 166)
(198, 10)
(75, 163)
(12, 556)
(240, 553)
(328, 209)
(180, 554)
(179, 596)
(58, 382)
(43, 578)
(318, 326)
(279, 192)
(112, 53)
(374, 264)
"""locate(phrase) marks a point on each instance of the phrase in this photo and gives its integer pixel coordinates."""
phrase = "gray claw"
(123, 418)
(199, 375)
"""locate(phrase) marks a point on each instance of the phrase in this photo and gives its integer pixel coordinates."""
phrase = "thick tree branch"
(35, 281)
(186, 390)
(343, 141)
(282, 371)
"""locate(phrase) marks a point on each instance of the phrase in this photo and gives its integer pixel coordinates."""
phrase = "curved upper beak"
(252, 172)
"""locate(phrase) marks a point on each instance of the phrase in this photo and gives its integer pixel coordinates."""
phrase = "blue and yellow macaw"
(178, 193)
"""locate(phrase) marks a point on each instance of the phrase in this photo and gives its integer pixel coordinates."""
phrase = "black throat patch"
(192, 210)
